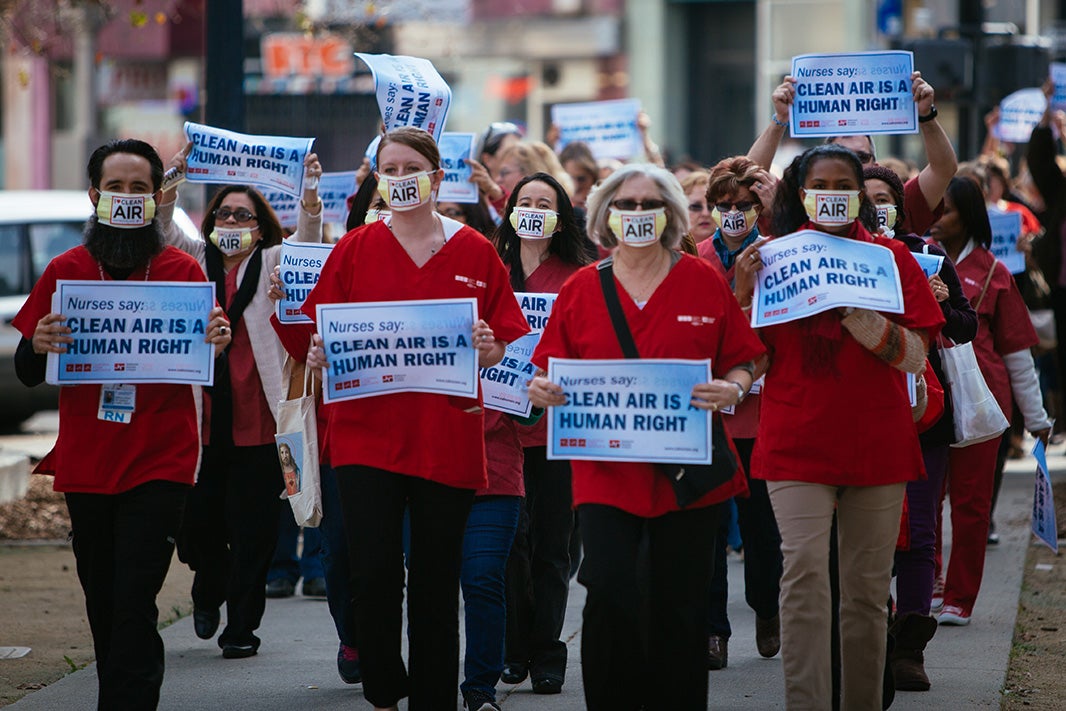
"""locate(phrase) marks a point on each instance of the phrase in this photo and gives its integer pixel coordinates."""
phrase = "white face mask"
(886, 219)
(637, 228)
(231, 242)
(375, 215)
(125, 211)
(405, 192)
(531, 223)
(832, 208)
(735, 223)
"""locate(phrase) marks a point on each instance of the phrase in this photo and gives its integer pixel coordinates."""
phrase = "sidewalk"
(296, 666)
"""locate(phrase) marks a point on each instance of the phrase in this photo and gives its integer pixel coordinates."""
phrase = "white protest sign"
(1058, 78)
(378, 348)
(608, 127)
(855, 93)
(301, 264)
(334, 190)
(1006, 228)
(930, 263)
(1044, 526)
(1019, 114)
(285, 206)
(221, 156)
(629, 410)
(134, 332)
(503, 386)
(455, 150)
(808, 272)
(410, 92)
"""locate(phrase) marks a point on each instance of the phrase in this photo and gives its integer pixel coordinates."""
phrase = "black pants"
(123, 544)
(228, 538)
(373, 501)
(538, 569)
(660, 663)
(763, 563)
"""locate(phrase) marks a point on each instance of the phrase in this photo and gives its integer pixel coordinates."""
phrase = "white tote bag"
(297, 443)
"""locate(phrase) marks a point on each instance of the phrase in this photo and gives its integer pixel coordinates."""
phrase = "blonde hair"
(601, 197)
(536, 157)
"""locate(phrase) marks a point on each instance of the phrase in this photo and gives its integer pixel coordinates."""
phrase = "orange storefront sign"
(291, 54)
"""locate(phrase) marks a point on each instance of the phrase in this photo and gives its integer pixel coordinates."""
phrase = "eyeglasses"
(727, 206)
(240, 215)
(864, 157)
(697, 207)
(625, 204)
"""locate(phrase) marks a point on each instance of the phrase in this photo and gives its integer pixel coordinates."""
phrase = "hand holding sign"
(51, 336)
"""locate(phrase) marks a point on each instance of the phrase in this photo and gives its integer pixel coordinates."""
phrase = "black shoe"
(477, 700)
(717, 652)
(315, 587)
(205, 622)
(547, 685)
(239, 651)
(348, 664)
(514, 673)
(280, 587)
(768, 636)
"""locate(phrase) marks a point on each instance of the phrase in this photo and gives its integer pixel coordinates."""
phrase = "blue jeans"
(336, 561)
(490, 530)
(285, 564)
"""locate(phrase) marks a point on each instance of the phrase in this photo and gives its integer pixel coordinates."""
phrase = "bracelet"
(929, 116)
(741, 392)
(773, 117)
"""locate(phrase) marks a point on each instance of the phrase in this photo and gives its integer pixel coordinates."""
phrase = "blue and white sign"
(270, 162)
(853, 93)
(1044, 525)
(629, 410)
(134, 332)
(301, 265)
(930, 263)
(1019, 114)
(455, 150)
(1058, 78)
(503, 386)
(285, 206)
(383, 347)
(410, 92)
(808, 272)
(608, 127)
(334, 189)
(1006, 228)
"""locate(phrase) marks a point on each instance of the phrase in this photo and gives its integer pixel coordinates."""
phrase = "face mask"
(832, 208)
(531, 223)
(886, 219)
(405, 192)
(735, 223)
(373, 215)
(231, 242)
(125, 211)
(637, 228)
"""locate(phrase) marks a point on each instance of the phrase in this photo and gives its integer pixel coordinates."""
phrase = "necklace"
(640, 291)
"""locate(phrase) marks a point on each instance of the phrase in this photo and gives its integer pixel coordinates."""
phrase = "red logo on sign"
(120, 366)
(812, 300)
(615, 444)
(386, 378)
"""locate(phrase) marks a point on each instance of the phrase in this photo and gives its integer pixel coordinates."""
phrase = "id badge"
(117, 403)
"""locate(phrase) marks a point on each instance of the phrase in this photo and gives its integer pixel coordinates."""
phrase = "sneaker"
(315, 587)
(937, 603)
(954, 616)
(348, 664)
(514, 673)
(280, 587)
(478, 700)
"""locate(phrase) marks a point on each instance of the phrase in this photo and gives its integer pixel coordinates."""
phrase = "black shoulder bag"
(691, 482)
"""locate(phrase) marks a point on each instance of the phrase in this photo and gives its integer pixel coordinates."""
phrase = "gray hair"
(601, 197)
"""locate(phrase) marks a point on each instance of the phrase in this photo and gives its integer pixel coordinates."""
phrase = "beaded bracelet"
(773, 117)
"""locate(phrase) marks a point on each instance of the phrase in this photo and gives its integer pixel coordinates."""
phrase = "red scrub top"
(1003, 324)
(503, 451)
(580, 327)
(161, 442)
(852, 425)
(418, 434)
(919, 218)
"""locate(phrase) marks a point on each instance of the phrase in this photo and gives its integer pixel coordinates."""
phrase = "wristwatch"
(741, 392)
(929, 116)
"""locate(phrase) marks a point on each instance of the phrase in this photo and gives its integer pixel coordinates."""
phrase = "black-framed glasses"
(241, 215)
(625, 204)
(864, 157)
(724, 207)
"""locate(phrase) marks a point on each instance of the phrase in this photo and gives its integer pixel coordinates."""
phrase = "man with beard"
(125, 485)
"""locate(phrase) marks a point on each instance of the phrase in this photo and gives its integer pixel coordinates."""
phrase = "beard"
(123, 248)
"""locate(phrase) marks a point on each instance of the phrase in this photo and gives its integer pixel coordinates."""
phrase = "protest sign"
(383, 347)
(334, 190)
(608, 127)
(1006, 228)
(808, 272)
(410, 92)
(1019, 114)
(853, 94)
(455, 150)
(301, 264)
(285, 206)
(221, 156)
(503, 386)
(930, 263)
(134, 332)
(1058, 78)
(629, 410)
(1044, 525)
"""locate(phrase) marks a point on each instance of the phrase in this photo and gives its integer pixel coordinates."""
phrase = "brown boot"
(912, 633)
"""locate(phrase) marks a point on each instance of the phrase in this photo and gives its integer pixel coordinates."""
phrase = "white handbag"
(297, 443)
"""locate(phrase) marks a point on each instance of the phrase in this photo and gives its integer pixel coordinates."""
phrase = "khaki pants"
(868, 520)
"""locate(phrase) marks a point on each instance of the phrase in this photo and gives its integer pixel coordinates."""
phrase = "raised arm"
(942, 162)
(765, 147)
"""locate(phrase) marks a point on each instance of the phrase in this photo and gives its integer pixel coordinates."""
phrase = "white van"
(35, 226)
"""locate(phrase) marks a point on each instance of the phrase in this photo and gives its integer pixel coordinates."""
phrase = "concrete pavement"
(296, 666)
